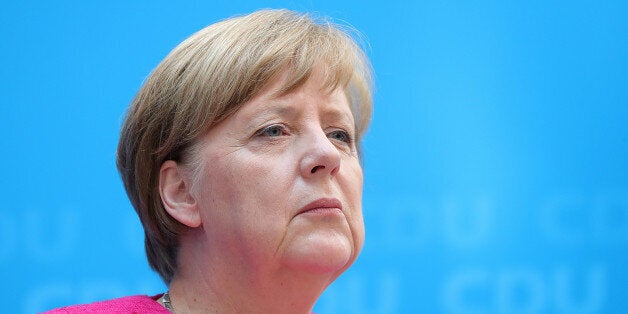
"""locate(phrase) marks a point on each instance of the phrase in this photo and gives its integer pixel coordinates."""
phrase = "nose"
(320, 156)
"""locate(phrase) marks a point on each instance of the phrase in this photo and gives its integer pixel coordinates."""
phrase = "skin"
(249, 248)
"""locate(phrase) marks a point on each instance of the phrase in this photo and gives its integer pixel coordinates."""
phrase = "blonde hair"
(208, 77)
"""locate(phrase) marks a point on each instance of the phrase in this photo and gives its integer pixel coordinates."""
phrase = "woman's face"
(281, 182)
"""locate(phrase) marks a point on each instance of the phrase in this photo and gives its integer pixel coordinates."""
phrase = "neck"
(221, 284)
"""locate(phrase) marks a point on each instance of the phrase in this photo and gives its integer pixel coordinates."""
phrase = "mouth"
(322, 206)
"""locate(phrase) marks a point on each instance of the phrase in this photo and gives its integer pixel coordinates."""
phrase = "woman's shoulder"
(130, 304)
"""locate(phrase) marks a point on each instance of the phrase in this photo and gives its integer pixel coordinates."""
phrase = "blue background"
(496, 165)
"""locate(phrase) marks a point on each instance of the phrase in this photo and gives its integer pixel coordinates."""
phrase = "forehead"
(329, 103)
(314, 91)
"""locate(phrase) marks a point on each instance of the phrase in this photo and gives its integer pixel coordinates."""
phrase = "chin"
(323, 252)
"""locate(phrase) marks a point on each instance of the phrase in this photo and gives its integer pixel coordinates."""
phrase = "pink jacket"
(133, 304)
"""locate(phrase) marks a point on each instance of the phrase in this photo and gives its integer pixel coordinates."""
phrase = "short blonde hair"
(208, 77)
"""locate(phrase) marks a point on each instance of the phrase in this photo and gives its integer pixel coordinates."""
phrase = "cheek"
(351, 184)
(245, 193)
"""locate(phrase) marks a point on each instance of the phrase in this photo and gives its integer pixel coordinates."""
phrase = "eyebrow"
(292, 110)
(335, 114)
(259, 115)
(281, 110)
(287, 109)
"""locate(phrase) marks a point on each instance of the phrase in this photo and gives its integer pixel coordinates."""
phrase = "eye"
(340, 135)
(274, 130)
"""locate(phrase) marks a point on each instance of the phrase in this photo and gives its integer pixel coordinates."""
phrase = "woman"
(240, 156)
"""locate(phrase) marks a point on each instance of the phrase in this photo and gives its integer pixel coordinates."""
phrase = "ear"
(175, 195)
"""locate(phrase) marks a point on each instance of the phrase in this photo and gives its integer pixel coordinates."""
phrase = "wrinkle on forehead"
(284, 85)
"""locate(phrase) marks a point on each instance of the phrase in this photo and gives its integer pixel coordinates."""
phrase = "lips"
(322, 206)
